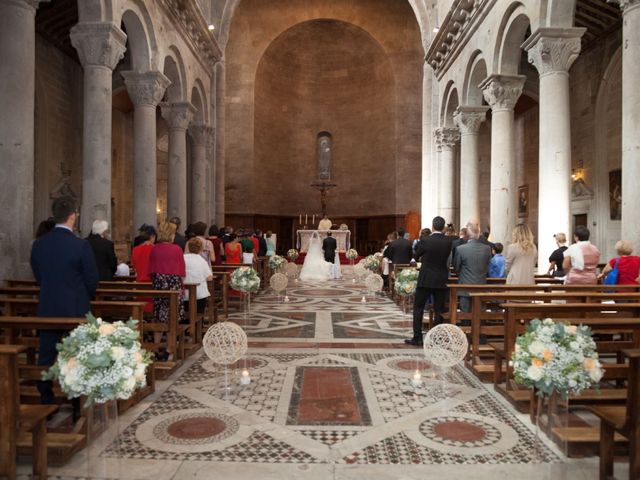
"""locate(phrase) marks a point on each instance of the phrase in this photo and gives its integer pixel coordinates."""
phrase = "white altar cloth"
(343, 237)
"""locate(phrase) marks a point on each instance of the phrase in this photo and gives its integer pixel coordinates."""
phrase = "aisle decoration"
(245, 279)
(406, 281)
(276, 262)
(292, 254)
(556, 358)
(102, 361)
(372, 263)
(351, 254)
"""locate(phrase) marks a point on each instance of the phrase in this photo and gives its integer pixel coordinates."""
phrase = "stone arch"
(140, 35)
(95, 11)
(511, 35)
(557, 13)
(451, 102)
(476, 72)
(174, 69)
(198, 100)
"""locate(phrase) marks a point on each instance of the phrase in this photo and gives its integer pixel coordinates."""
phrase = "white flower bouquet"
(292, 253)
(406, 281)
(352, 254)
(276, 262)
(102, 361)
(555, 357)
(245, 279)
(372, 262)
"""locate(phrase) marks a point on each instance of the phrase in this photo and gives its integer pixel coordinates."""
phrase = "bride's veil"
(314, 266)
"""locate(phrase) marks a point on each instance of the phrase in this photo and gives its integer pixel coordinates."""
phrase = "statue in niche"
(324, 156)
(63, 187)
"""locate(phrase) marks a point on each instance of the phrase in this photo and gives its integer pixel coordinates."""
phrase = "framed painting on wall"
(523, 201)
(615, 194)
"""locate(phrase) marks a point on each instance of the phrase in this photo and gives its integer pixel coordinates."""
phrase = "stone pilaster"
(552, 51)
(17, 104)
(145, 90)
(201, 136)
(501, 93)
(178, 116)
(468, 119)
(100, 47)
(446, 141)
(220, 145)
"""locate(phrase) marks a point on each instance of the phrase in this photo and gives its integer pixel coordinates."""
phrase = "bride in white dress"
(315, 267)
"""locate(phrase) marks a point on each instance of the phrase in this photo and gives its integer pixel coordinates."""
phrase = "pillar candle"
(305, 218)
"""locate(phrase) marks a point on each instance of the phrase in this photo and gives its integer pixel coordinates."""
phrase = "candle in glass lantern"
(416, 380)
(245, 379)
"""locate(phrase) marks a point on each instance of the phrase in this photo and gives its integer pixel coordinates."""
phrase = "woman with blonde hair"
(520, 260)
(628, 264)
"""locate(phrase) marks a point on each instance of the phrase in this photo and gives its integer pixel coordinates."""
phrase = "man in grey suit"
(471, 262)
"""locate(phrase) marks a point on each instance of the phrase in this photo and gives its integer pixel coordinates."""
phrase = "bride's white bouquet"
(245, 279)
(276, 262)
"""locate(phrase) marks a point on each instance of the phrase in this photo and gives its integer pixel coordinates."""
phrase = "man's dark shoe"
(413, 341)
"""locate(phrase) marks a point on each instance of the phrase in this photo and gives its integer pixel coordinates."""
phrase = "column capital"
(468, 119)
(145, 88)
(201, 134)
(625, 4)
(446, 138)
(553, 50)
(502, 91)
(99, 44)
(31, 5)
(178, 115)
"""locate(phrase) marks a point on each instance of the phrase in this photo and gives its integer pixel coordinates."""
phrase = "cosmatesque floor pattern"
(330, 398)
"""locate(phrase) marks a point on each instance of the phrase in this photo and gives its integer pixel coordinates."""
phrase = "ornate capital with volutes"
(146, 88)
(100, 44)
(502, 91)
(201, 134)
(553, 50)
(178, 115)
(468, 119)
(446, 138)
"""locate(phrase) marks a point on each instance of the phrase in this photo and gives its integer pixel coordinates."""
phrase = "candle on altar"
(313, 219)
(245, 379)
(305, 219)
(300, 219)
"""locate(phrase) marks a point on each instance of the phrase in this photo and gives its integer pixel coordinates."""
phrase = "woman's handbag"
(612, 276)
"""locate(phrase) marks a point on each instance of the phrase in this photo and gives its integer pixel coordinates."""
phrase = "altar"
(343, 237)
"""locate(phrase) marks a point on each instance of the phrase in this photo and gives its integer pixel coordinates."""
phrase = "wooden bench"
(624, 420)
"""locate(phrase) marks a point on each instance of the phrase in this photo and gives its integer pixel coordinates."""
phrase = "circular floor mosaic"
(409, 364)
(461, 432)
(195, 428)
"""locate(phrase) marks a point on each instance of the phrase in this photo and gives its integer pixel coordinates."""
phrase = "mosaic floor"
(330, 397)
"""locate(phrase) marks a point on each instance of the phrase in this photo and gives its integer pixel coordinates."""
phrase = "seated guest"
(198, 271)
(199, 230)
(628, 265)
(216, 241)
(496, 269)
(103, 250)
(180, 240)
(471, 262)
(248, 257)
(271, 246)
(581, 259)
(557, 257)
(122, 270)
(144, 228)
(520, 261)
(140, 262)
(233, 250)
(167, 269)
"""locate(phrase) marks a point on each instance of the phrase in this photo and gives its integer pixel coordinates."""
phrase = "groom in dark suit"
(329, 246)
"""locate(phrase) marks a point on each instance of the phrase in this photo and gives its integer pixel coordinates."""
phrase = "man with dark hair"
(433, 251)
(399, 252)
(262, 243)
(65, 269)
(179, 239)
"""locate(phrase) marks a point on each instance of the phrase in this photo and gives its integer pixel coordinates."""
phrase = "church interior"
(376, 116)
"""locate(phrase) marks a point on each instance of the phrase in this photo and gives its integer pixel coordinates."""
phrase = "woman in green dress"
(271, 246)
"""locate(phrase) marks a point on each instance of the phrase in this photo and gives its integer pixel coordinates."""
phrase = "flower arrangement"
(372, 262)
(245, 279)
(276, 262)
(352, 254)
(555, 357)
(102, 361)
(292, 253)
(406, 281)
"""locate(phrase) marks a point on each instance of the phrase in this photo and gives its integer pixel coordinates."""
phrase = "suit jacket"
(65, 269)
(262, 248)
(180, 240)
(433, 252)
(105, 256)
(399, 251)
(472, 262)
(329, 246)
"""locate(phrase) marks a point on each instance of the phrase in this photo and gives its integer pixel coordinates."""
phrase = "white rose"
(534, 373)
(118, 353)
(139, 371)
(536, 348)
(130, 383)
(595, 374)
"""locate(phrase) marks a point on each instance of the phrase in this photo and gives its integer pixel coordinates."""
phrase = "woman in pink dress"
(581, 259)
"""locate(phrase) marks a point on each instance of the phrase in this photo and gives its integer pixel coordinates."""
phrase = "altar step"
(343, 259)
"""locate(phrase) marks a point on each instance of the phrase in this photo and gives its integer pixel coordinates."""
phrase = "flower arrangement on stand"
(292, 254)
(351, 255)
(406, 281)
(373, 262)
(247, 281)
(276, 262)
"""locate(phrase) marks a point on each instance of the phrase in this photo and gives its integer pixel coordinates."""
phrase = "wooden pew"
(624, 420)
(17, 419)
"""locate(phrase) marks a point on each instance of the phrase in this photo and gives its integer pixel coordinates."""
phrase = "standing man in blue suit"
(65, 268)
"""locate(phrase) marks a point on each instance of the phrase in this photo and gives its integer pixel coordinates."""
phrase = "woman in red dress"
(217, 244)
(233, 249)
(140, 261)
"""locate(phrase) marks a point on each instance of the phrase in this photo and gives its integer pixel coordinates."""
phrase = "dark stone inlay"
(196, 428)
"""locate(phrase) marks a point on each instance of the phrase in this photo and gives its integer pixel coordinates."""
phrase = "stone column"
(468, 119)
(100, 47)
(429, 180)
(630, 121)
(17, 103)
(220, 147)
(446, 139)
(552, 51)
(178, 116)
(502, 92)
(200, 135)
(145, 90)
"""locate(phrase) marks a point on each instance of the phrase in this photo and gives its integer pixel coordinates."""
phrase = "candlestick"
(416, 381)
(245, 379)
(300, 219)
(313, 219)
(305, 219)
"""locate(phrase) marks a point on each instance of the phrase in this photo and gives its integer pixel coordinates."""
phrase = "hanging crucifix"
(323, 182)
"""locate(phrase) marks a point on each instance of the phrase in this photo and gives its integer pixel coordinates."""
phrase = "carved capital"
(201, 134)
(446, 138)
(178, 115)
(502, 91)
(553, 50)
(146, 88)
(99, 44)
(469, 119)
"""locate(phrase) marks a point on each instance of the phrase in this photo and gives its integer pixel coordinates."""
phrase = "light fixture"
(577, 174)
(211, 27)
